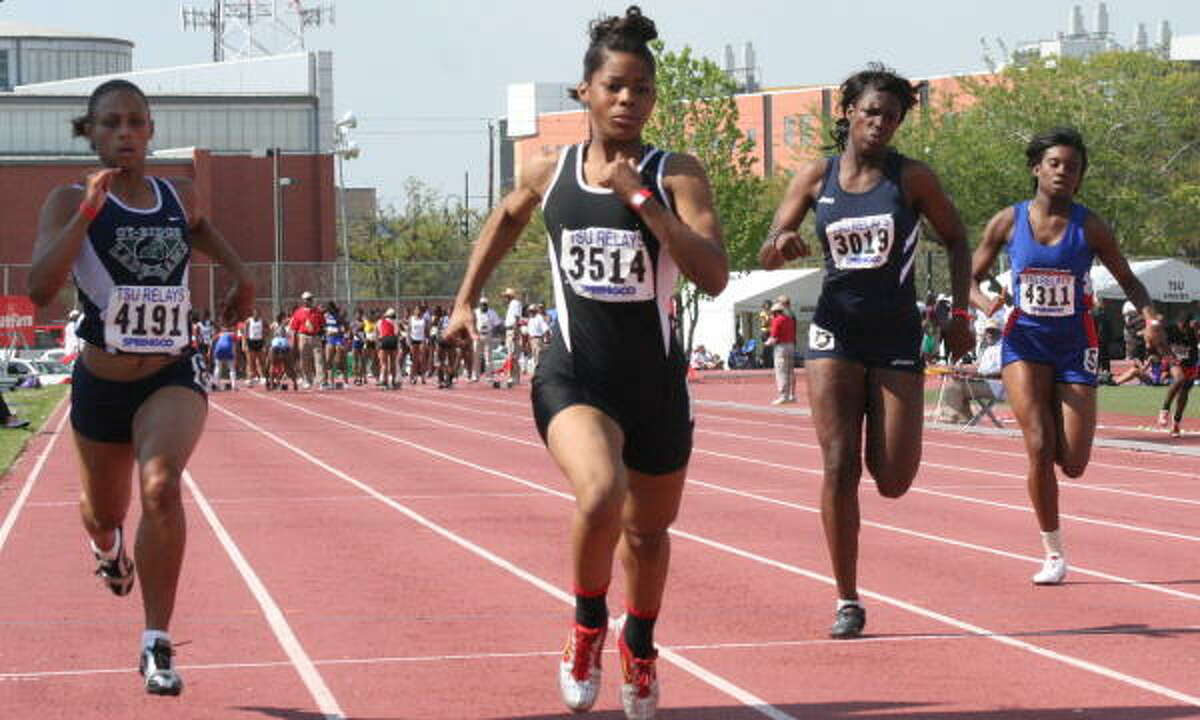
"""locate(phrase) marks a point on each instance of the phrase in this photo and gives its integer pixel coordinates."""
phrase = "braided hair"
(877, 77)
(631, 34)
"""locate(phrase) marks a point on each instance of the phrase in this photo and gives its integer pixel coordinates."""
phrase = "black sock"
(639, 635)
(591, 609)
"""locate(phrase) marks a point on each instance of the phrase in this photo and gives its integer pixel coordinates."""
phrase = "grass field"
(1126, 399)
(34, 406)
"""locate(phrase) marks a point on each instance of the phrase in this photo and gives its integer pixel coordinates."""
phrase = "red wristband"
(88, 211)
(639, 198)
(961, 312)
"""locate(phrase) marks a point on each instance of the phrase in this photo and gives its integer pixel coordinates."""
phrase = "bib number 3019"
(147, 319)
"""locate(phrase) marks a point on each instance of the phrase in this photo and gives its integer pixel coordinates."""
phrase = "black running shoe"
(117, 573)
(849, 622)
(158, 668)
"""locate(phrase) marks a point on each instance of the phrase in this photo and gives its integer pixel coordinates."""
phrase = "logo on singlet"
(149, 252)
(825, 200)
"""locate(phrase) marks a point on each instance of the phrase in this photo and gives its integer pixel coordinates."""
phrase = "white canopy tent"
(1167, 280)
(717, 319)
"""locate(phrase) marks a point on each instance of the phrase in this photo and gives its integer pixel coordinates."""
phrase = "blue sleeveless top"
(870, 242)
(126, 246)
(1051, 284)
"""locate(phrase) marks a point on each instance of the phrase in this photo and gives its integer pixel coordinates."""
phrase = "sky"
(424, 77)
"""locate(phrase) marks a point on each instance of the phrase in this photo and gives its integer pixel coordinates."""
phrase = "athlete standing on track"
(864, 362)
(610, 397)
(137, 394)
(1050, 352)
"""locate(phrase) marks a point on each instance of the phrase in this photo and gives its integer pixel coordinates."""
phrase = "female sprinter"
(864, 363)
(609, 396)
(137, 395)
(1185, 359)
(1050, 354)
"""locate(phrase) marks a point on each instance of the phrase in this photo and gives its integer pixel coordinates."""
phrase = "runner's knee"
(161, 492)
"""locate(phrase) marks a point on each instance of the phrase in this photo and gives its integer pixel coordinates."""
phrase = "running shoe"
(1054, 569)
(158, 668)
(639, 691)
(1176, 431)
(116, 573)
(849, 622)
(579, 670)
(15, 423)
(1162, 418)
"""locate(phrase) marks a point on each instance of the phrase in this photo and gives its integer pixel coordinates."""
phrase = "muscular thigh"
(1076, 406)
(168, 425)
(837, 397)
(653, 501)
(1030, 390)
(895, 419)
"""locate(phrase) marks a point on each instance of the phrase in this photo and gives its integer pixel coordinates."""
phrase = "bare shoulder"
(685, 164)
(538, 171)
(915, 173)
(999, 226)
(809, 176)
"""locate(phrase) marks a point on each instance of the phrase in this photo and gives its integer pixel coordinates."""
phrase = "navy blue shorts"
(103, 410)
(891, 341)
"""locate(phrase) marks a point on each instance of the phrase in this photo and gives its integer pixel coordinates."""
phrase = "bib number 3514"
(607, 264)
(147, 319)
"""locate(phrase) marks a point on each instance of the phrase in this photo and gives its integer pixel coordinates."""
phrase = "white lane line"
(1105, 488)
(490, 656)
(1070, 660)
(11, 518)
(312, 679)
(692, 480)
(712, 679)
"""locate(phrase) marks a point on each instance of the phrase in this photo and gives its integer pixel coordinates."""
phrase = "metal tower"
(254, 28)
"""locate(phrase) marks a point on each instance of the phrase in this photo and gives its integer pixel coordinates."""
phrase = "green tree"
(696, 113)
(1139, 114)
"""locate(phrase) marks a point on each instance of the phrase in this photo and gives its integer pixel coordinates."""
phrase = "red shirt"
(386, 327)
(306, 320)
(783, 329)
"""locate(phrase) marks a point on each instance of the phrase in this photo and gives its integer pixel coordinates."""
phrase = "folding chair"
(984, 403)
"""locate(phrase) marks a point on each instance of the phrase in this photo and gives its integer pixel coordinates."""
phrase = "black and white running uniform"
(132, 280)
(867, 311)
(614, 351)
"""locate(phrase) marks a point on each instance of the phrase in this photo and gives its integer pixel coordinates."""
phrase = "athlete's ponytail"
(79, 125)
(631, 33)
(877, 77)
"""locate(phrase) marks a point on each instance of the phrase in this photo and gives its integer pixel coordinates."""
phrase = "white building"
(30, 54)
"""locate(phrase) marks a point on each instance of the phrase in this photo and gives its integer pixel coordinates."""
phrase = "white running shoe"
(158, 667)
(579, 669)
(1054, 569)
(639, 688)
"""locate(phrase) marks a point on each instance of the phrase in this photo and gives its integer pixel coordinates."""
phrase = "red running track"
(371, 555)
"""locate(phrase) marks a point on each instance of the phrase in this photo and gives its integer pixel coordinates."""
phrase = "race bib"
(607, 264)
(147, 318)
(1047, 293)
(861, 243)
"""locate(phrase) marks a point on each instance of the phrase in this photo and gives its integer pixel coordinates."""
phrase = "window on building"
(5, 82)
(752, 135)
(799, 130)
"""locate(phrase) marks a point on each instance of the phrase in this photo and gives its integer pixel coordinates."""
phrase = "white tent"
(1167, 280)
(716, 321)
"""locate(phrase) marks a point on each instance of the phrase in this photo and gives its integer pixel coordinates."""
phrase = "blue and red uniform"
(1051, 323)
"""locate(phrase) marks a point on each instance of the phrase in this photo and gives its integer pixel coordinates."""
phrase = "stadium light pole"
(345, 149)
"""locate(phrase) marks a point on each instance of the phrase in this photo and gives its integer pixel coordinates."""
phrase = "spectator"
(977, 382)
(335, 347)
(224, 357)
(255, 347)
(71, 342)
(702, 359)
(782, 339)
(486, 322)
(1134, 325)
(512, 336)
(764, 332)
(539, 333)
(307, 325)
(7, 419)
(389, 343)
